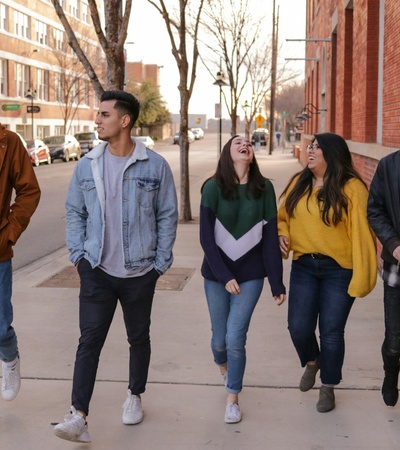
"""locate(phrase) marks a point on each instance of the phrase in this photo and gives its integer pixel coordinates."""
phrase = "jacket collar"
(140, 152)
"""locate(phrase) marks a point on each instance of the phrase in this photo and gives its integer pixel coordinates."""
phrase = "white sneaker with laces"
(232, 413)
(11, 381)
(74, 428)
(133, 412)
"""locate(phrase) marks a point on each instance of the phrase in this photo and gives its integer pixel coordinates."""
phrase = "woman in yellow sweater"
(322, 219)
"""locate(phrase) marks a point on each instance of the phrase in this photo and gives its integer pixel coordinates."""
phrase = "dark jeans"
(391, 303)
(318, 294)
(99, 294)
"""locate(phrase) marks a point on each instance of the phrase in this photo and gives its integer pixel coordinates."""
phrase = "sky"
(149, 42)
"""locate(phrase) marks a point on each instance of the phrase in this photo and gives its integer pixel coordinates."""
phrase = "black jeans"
(99, 294)
(391, 302)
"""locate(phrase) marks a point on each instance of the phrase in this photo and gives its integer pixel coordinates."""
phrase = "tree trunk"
(185, 212)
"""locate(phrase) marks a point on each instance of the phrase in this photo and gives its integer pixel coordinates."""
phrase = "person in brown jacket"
(16, 173)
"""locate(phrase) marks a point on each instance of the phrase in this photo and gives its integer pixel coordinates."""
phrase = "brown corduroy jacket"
(16, 173)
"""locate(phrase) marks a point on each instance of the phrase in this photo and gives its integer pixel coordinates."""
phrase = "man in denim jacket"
(121, 226)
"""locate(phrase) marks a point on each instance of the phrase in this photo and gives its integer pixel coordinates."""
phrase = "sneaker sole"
(69, 437)
(127, 422)
(229, 421)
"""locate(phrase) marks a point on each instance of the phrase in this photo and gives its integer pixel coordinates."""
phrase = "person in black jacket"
(384, 218)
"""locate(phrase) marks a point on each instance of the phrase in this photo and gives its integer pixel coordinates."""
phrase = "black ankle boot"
(390, 391)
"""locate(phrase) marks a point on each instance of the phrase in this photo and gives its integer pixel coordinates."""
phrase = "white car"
(198, 133)
(147, 141)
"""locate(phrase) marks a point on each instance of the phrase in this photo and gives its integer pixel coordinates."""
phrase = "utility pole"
(275, 21)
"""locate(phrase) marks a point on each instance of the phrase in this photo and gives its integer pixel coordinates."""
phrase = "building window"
(85, 13)
(21, 79)
(42, 131)
(43, 84)
(58, 36)
(85, 96)
(74, 92)
(59, 130)
(74, 8)
(42, 33)
(3, 77)
(3, 17)
(21, 25)
(58, 88)
(23, 130)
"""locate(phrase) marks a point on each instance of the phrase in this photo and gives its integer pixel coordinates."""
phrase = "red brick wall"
(365, 166)
(352, 64)
(365, 70)
(391, 77)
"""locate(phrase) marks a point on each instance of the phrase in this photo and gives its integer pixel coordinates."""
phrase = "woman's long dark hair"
(338, 172)
(227, 178)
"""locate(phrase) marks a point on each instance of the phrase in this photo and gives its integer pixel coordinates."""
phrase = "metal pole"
(32, 115)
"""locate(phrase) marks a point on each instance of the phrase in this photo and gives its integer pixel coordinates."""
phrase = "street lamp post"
(219, 81)
(246, 106)
(31, 94)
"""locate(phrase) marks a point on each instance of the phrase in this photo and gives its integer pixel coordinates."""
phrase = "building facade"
(352, 77)
(44, 90)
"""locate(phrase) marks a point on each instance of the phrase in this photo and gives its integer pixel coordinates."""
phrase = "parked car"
(87, 140)
(198, 133)
(260, 135)
(147, 141)
(191, 137)
(38, 152)
(63, 147)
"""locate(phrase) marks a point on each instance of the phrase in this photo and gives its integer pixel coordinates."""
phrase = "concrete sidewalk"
(184, 403)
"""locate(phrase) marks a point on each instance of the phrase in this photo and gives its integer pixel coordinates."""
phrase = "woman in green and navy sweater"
(238, 233)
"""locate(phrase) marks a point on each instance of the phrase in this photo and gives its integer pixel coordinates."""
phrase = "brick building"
(38, 68)
(352, 75)
(139, 72)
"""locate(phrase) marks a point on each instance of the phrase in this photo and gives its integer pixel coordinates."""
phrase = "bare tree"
(290, 100)
(111, 40)
(259, 64)
(70, 85)
(178, 22)
(234, 30)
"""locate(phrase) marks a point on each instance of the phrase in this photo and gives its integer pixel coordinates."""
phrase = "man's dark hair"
(126, 103)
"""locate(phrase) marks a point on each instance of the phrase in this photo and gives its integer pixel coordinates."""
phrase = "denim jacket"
(149, 210)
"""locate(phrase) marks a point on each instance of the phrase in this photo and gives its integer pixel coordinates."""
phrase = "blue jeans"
(99, 294)
(8, 338)
(318, 294)
(230, 319)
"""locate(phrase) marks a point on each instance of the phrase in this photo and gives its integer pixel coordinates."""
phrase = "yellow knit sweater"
(351, 242)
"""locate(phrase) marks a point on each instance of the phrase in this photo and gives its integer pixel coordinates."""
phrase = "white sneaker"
(224, 378)
(11, 381)
(232, 413)
(74, 428)
(133, 412)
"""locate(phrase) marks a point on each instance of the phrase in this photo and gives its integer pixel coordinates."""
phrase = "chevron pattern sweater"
(239, 237)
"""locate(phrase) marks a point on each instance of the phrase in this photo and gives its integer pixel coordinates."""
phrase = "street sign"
(260, 121)
(33, 109)
(10, 107)
(285, 114)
